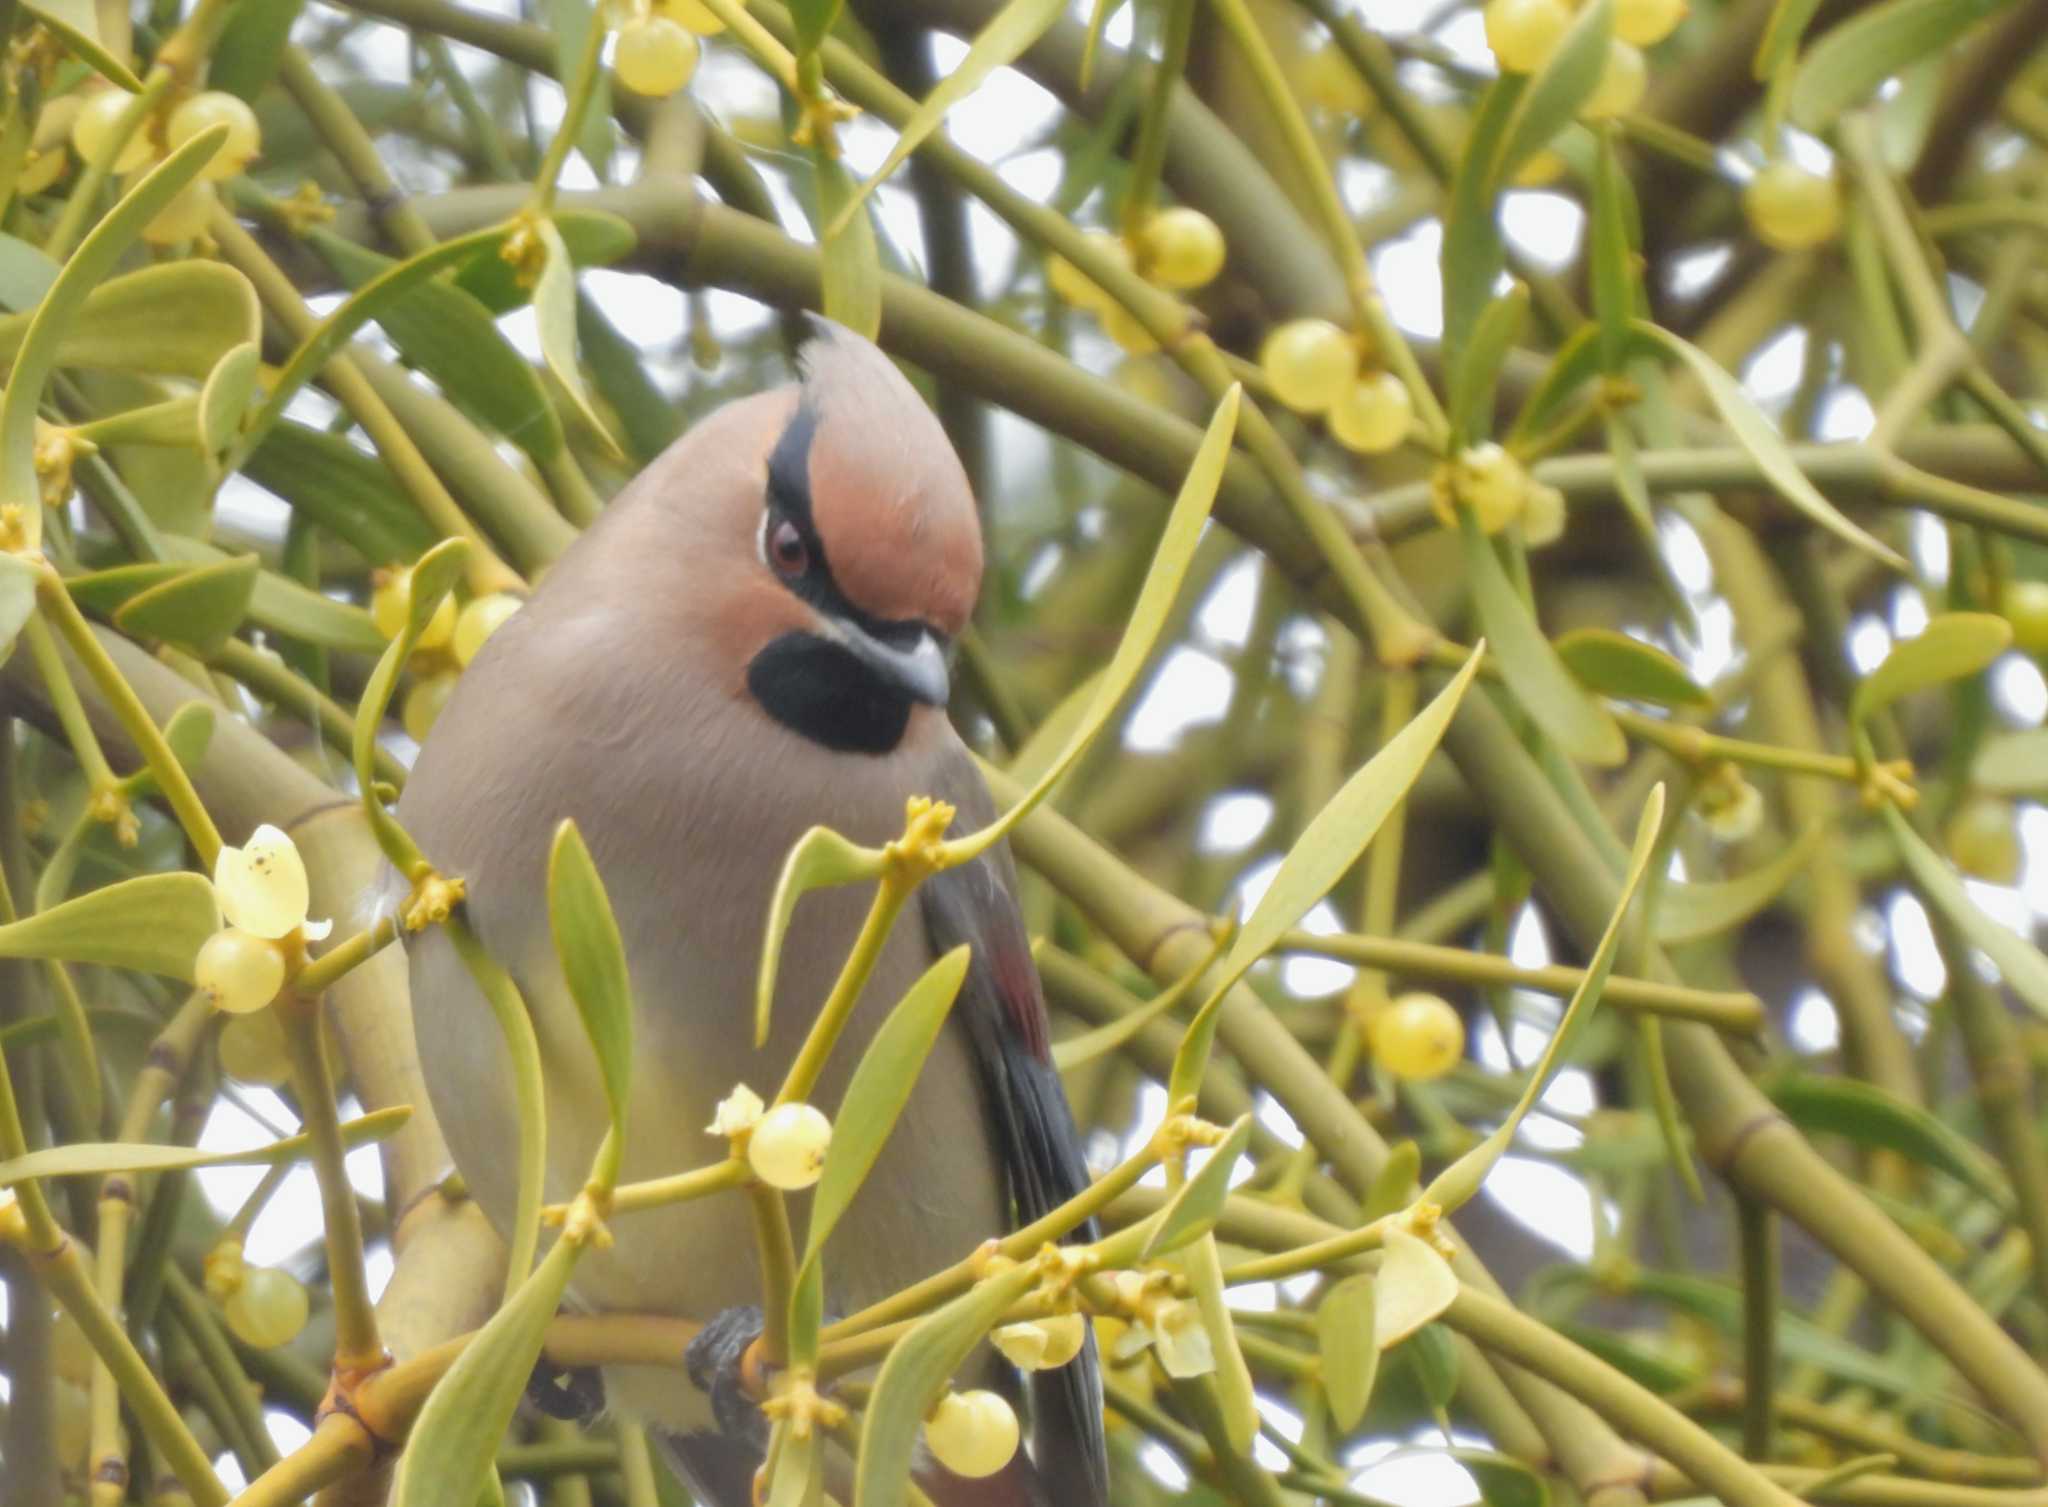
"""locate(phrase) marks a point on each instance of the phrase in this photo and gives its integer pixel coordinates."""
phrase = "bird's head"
(836, 548)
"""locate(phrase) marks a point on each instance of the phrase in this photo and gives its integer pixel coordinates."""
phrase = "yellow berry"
(1792, 209)
(268, 1310)
(479, 620)
(262, 885)
(656, 56)
(1645, 23)
(1622, 83)
(1373, 415)
(972, 1433)
(92, 133)
(787, 1147)
(1983, 840)
(1310, 364)
(2025, 606)
(214, 108)
(40, 168)
(1484, 478)
(188, 213)
(237, 972)
(1182, 249)
(1542, 515)
(1329, 82)
(1418, 1037)
(694, 14)
(252, 1049)
(1068, 282)
(391, 601)
(1524, 33)
(423, 704)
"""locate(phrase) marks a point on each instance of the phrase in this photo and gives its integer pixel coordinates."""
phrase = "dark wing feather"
(1002, 1009)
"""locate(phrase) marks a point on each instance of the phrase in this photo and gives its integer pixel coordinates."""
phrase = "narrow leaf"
(2019, 961)
(593, 957)
(1499, 327)
(1847, 65)
(1557, 93)
(225, 399)
(879, 1089)
(1754, 431)
(99, 1158)
(850, 265)
(1503, 1481)
(1011, 30)
(1350, 1355)
(554, 307)
(1147, 618)
(1415, 1285)
(1953, 645)
(1614, 664)
(178, 318)
(1616, 272)
(1198, 1203)
(820, 859)
(77, 24)
(17, 598)
(1869, 1116)
(198, 610)
(1698, 908)
(151, 924)
(1568, 715)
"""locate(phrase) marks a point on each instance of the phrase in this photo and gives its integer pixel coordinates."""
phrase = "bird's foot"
(717, 1360)
(575, 1393)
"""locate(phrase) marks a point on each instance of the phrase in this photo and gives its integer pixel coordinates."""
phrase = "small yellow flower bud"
(972, 1433)
(787, 1148)
(737, 1112)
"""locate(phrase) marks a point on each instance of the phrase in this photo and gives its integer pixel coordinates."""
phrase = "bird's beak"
(918, 669)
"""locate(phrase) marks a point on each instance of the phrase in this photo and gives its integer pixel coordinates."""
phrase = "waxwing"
(750, 642)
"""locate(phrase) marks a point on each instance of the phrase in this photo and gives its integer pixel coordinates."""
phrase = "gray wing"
(1002, 1009)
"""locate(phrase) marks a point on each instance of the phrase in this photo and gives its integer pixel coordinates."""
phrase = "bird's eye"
(786, 549)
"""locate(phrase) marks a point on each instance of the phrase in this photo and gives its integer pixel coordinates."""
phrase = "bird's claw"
(716, 1360)
(575, 1393)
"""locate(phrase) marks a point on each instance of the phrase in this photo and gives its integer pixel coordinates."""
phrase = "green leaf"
(2024, 969)
(1652, 1367)
(198, 610)
(850, 266)
(1953, 645)
(26, 273)
(1414, 1287)
(99, 1158)
(224, 401)
(174, 422)
(1325, 852)
(1869, 1116)
(189, 734)
(365, 304)
(1344, 1342)
(335, 485)
(434, 575)
(455, 1439)
(1800, 1340)
(1694, 909)
(1617, 271)
(554, 307)
(1147, 617)
(2013, 763)
(1009, 32)
(879, 1089)
(593, 956)
(820, 860)
(1431, 1355)
(1503, 1481)
(87, 268)
(1754, 432)
(813, 20)
(1236, 1398)
(1557, 93)
(103, 591)
(151, 924)
(1458, 1182)
(77, 24)
(572, 20)
(1474, 253)
(1614, 664)
(1198, 1203)
(449, 335)
(1073, 1051)
(799, 1478)
(1780, 43)
(917, 1367)
(178, 318)
(1575, 721)
(1394, 1183)
(1847, 65)
(251, 46)
(1479, 366)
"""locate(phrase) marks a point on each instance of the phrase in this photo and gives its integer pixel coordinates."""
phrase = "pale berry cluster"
(1496, 487)
(1179, 249)
(96, 137)
(1525, 34)
(658, 45)
(1314, 367)
(451, 639)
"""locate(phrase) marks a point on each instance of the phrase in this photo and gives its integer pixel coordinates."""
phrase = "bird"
(751, 641)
